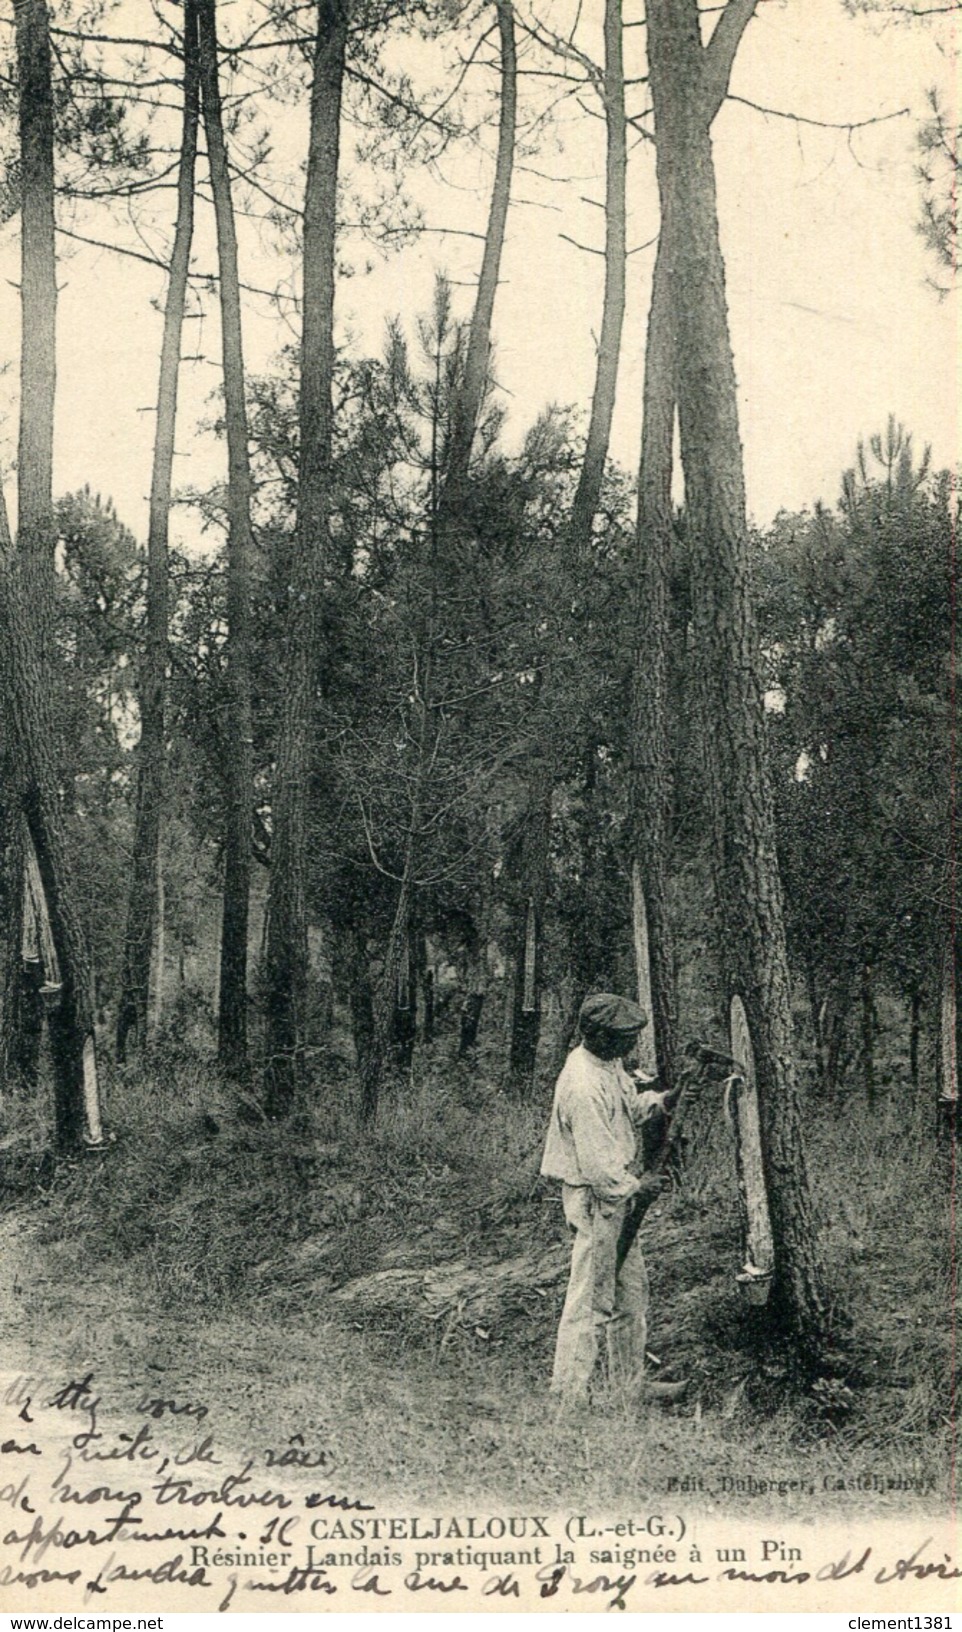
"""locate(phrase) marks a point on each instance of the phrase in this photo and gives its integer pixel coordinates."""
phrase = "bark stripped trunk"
(528, 948)
(286, 962)
(142, 903)
(688, 82)
(742, 1106)
(232, 1007)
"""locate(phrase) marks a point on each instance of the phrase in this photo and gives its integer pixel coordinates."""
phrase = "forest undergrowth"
(385, 1252)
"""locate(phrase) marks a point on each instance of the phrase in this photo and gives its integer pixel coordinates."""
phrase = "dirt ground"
(420, 1423)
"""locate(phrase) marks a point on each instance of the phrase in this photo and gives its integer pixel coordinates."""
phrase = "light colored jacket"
(591, 1135)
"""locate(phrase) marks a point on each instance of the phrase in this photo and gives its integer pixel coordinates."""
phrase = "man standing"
(591, 1146)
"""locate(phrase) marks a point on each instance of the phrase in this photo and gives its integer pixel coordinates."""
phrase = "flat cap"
(605, 1012)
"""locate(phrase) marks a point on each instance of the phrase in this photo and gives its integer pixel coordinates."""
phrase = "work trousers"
(602, 1301)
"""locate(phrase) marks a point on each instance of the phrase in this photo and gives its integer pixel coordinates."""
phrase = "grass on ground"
(221, 1242)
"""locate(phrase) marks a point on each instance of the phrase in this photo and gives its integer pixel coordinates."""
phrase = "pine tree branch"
(586, 247)
(156, 260)
(558, 46)
(821, 124)
(720, 52)
(118, 39)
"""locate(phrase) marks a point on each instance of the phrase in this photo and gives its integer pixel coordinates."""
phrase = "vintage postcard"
(478, 868)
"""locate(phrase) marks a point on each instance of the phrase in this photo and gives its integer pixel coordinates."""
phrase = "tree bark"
(239, 736)
(868, 1035)
(949, 1028)
(27, 703)
(405, 1026)
(360, 1001)
(592, 955)
(35, 526)
(688, 82)
(590, 478)
(132, 1013)
(27, 588)
(651, 771)
(476, 981)
(470, 397)
(38, 291)
(375, 1012)
(286, 961)
(915, 1033)
(22, 1025)
(588, 953)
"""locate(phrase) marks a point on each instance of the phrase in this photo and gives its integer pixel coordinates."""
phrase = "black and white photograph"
(479, 950)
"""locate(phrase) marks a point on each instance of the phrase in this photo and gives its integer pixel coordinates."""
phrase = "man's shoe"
(664, 1393)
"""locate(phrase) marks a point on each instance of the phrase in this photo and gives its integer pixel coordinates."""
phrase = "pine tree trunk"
(476, 983)
(424, 974)
(286, 961)
(816, 1015)
(239, 736)
(868, 1035)
(470, 397)
(151, 767)
(915, 1034)
(589, 951)
(27, 589)
(651, 771)
(35, 528)
(38, 295)
(158, 959)
(592, 949)
(528, 949)
(361, 1004)
(685, 84)
(405, 1001)
(380, 1050)
(592, 472)
(22, 1020)
(445, 524)
(27, 703)
(949, 1028)
(836, 1031)
(384, 996)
